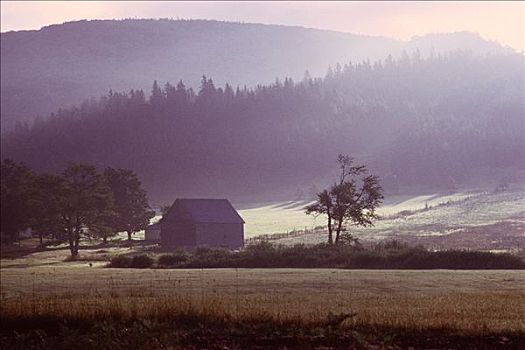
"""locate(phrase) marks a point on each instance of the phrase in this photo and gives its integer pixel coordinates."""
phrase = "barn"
(193, 223)
(152, 232)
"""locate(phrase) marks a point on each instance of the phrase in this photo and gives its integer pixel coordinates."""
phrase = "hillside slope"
(440, 124)
(62, 65)
(477, 220)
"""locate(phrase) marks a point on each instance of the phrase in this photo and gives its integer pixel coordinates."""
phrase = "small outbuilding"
(192, 223)
(152, 232)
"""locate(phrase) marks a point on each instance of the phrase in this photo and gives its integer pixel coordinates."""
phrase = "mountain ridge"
(61, 65)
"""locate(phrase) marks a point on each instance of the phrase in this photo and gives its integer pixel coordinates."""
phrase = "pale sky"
(498, 20)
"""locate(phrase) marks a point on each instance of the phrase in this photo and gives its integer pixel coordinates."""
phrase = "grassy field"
(288, 216)
(50, 303)
(477, 220)
(463, 220)
(498, 215)
(436, 305)
(466, 300)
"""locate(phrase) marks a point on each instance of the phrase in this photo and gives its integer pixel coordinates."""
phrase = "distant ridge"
(63, 64)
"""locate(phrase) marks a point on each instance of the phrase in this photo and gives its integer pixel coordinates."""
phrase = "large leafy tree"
(133, 212)
(46, 219)
(103, 228)
(85, 201)
(16, 195)
(353, 199)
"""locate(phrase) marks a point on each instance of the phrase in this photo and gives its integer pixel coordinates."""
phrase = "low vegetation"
(138, 261)
(188, 327)
(387, 255)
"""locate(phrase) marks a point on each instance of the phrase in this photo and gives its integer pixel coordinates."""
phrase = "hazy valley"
(191, 184)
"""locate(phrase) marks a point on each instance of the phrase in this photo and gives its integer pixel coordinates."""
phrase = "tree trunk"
(77, 240)
(73, 235)
(74, 251)
(105, 239)
(76, 237)
(72, 248)
(330, 238)
(338, 231)
(129, 235)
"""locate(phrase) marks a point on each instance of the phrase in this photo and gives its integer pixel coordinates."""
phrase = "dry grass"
(475, 313)
(471, 301)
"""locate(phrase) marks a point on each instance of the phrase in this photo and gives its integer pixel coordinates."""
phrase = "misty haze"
(214, 183)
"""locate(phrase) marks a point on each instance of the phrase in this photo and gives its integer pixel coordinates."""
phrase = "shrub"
(390, 245)
(120, 261)
(172, 259)
(366, 260)
(261, 254)
(385, 255)
(141, 262)
(205, 257)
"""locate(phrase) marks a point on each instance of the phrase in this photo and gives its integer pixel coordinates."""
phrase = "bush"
(366, 260)
(208, 257)
(141, 262)
(261, 254)
(386, 255)
(120, 261)
(172, 259)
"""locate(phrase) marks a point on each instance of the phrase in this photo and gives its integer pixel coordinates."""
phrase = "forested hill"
(443, 122)
(61, 65)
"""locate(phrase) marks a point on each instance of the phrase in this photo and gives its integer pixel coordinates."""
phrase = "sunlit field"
(479, 220)
(289, 216)
(423, 215)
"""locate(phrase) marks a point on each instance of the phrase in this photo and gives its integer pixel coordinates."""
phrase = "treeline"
(77, 203)
(46, 69)
(384, 255)
(439, 122)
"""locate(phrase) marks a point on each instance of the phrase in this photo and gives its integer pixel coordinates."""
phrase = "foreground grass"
(219, 323)
(111, 308)
(142, 322)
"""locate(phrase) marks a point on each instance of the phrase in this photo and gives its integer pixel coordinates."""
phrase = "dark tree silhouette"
(85, 201)
(133, 212)
(46, 219)
(351, 200)
(16, 194)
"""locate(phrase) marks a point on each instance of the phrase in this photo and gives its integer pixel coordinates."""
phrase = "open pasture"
(474, 301)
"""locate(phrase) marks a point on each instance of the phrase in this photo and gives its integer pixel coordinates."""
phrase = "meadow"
(438, 305)
(48, 302)
(465, 220)
(481, 220)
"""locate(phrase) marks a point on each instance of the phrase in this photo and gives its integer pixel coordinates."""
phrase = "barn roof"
(210, 210)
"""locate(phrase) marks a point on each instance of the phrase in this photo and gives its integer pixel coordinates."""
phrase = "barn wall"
(220, 235)
(177, 230)
(152, 234)
(178, 235)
